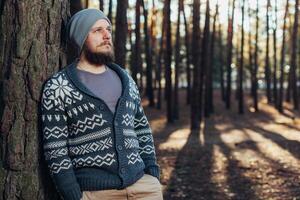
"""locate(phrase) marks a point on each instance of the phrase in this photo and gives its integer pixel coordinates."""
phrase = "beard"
(99, 58)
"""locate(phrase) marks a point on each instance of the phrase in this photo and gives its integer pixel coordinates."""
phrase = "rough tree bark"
(31, 50)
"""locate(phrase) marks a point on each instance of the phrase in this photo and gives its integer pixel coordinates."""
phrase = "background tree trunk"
(267, 61)
(149, 87)
(121, 33)
(177, 62)
(195, 116)
(31, 51)
(229, 55)
(282, 61)
(241, 68)
(206, 64)
(275, 97)
(188, 56)
(109, 15)
(101, 5)
(255, 85)
(75, 6)
(294, 56)
(168, 61)
(221, 54)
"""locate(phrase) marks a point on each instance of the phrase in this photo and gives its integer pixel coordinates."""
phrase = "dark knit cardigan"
(86, 146)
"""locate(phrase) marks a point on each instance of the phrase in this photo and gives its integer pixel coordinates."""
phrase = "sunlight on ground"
(176, 140)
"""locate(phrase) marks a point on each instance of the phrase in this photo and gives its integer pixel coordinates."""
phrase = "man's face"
(98, 47)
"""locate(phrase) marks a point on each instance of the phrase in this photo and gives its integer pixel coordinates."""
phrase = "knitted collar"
(72, 74)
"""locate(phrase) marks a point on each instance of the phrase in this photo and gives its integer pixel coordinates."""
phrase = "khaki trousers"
(146, 188)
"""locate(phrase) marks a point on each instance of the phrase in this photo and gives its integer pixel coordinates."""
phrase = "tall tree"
(229, 54)
(255, 84)
(294, 55)
(289, 87)
(221, 55)
(195, 116)
(159, 65)
(210, 67)
(177, 62)
(188, 56)
(275, 99)
(137, 59)
(32, 49)
(241, 67)
(251, 64)
(121, 33)
(149, 86)
(168, 60)
(267, 60)
(212, 59)
(204, 64)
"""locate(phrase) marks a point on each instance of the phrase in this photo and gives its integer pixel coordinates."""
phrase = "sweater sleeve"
(145, 138)
(55, 134)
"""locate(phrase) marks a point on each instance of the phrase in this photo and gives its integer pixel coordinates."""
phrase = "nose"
(106, 34)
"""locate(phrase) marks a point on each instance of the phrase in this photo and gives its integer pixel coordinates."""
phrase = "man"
(97, 140)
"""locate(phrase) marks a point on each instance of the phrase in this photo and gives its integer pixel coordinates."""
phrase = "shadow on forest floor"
(250, 156)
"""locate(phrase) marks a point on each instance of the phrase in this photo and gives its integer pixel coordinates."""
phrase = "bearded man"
(96, 138)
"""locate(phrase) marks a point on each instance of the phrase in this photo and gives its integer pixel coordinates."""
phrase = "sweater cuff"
(153, 171)
(71, 193)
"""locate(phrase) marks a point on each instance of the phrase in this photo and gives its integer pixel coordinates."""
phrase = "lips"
(105, 43)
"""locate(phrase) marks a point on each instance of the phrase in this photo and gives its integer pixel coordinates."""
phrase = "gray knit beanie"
(80, 24)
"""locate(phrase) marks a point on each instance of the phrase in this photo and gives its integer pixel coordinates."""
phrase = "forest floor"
(233, 156)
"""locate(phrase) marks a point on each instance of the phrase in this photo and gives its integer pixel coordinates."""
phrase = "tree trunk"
(177, 63)
(229, 55)
(251, 65)
(294, 56)
(221, 55)
(267, 61)
(207, 65)
(149, 88)
(110, 10)
(121, 33)
(31, 51)
(75, 6)
(188, 56)
(168, 60)
(101, 5)
(255, 84)
(289, 88)
(241, 68)
(159, 63)
(275, 95)
(195, 116)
